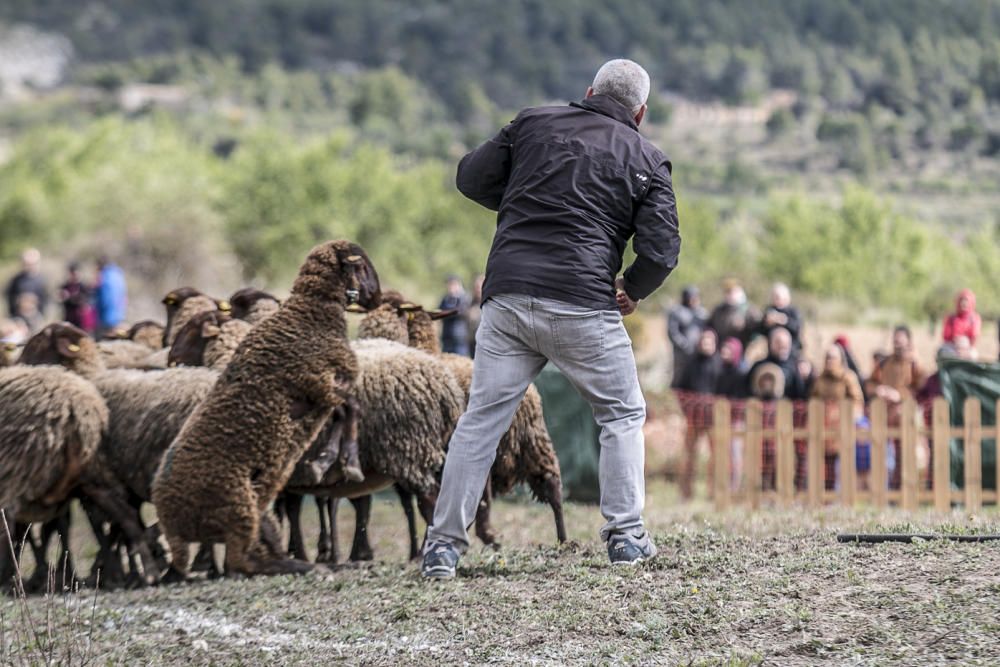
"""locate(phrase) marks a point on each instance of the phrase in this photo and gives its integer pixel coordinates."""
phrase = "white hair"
(624, 81)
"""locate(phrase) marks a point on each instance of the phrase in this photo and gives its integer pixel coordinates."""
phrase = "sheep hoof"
(360, 555)
(172, 576)
(353, 474)
(326, 557)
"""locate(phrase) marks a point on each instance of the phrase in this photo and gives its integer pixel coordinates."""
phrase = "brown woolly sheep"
(146, 412)
(238, 449)
(525, 453)
(253, 305)
(182, 304)
(208, 339)
(409, 405)
(148, 333)
(51, 424)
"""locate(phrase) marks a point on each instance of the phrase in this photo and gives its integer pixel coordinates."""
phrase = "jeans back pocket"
(579, 338)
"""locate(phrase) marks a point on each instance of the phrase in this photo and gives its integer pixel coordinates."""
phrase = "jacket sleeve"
(657, 239)
(483, 173)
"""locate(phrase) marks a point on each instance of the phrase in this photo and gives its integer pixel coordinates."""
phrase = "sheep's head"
(252, 304)
(396, 312)
(192, 339)
(173, 302)
(148, 333)
(62, 344)
(340, 271)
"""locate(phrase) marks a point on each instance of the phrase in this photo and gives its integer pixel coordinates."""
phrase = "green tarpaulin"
(574, 433)
(960, 380)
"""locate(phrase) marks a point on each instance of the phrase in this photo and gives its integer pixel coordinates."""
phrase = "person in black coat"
(701, 374)
(781, 313)
(780, 354)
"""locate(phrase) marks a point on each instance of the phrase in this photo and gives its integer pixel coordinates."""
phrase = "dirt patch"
(732, 588)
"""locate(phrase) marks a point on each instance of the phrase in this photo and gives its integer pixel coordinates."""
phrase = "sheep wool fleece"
(239, 447)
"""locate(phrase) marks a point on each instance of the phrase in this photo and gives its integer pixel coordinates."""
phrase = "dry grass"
(727, 589)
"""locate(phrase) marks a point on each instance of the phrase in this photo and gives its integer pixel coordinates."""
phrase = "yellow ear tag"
(353, 258)
(73, 348)
(224, 306)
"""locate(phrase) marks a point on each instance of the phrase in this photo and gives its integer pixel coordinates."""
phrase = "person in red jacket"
(965, 321)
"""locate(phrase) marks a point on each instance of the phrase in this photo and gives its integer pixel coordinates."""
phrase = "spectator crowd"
(709, 361)
(97, 306)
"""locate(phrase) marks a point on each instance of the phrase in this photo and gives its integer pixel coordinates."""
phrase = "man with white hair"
(571, 185)
(781, 313)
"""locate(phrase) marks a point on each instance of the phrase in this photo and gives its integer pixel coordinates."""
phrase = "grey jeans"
(516, 336)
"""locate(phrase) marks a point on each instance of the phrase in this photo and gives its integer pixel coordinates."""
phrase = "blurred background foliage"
(846, 147)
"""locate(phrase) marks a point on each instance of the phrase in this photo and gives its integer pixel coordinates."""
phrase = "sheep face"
(339, 271)
(60, 344)
(173, 302)
(189, 345)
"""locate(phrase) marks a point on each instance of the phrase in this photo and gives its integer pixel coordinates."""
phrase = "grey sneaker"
(625, 549)
(440, 559)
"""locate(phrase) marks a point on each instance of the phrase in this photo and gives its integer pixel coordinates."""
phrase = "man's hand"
(626, 306)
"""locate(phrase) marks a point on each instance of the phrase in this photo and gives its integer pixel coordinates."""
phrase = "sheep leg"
(63, 572)
(180, 561)
(329, 551)
(361, 548)
(484, 530)
(549, 490)
(249, 556)
(9, 548)
(406, 500)
(293, 509)
(350, 462)
(425, 505)
(107, 569)
(204, 561)
(125, 516)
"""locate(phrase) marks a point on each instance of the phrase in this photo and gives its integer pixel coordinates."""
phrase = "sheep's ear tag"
(67, 349)
(209, 330)
(10, 347)
(169, 300)
(355, 308)
(225, 306)
(353, 259)
(442, 314)
(408, 307)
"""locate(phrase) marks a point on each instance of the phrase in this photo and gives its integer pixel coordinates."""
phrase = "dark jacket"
(701, 374)
(572, 184)
(684, 326)
(733, 381)
(793, 323)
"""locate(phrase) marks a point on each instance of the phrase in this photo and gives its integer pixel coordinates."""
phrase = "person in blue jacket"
(110, 296)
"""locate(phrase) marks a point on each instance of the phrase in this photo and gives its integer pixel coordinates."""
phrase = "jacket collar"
(607, 106)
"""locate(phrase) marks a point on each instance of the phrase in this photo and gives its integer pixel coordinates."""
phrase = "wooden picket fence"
(911, 427)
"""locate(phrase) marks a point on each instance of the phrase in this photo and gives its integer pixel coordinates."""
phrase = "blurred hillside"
(849, 148)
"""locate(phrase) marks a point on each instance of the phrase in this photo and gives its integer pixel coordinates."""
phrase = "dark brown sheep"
(240, 446)
(184, 303)
(253, 305)
(208, 339)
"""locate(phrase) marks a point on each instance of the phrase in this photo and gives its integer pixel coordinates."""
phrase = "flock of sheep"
(231, 412)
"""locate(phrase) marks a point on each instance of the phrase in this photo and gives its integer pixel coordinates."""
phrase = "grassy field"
(727, 589)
